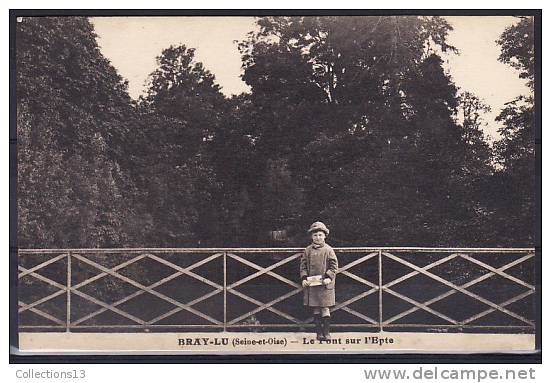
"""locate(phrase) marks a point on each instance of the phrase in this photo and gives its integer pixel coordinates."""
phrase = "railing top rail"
(184, 250)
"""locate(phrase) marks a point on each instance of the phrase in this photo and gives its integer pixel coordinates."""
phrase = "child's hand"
(305, 283)
(326, 281)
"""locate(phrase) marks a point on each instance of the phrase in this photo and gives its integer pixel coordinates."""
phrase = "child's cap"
(318, 226)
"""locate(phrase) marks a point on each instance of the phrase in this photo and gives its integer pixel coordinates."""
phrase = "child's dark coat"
(319, 261)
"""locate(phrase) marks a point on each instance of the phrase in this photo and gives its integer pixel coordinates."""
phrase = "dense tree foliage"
(352, 120)
(362, 113)
(515, 202)
(72, 113)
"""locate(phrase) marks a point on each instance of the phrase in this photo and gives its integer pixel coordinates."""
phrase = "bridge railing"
(258, 289)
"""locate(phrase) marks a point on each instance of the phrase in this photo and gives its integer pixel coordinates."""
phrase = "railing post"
(225, 294)
(68, 315)
(380, 291)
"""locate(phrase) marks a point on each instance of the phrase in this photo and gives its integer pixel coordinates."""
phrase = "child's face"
(318, 237)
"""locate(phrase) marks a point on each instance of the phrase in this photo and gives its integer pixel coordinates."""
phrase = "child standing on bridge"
(318, 268)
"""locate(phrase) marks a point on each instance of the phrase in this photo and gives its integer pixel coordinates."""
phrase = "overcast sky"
(133, 43)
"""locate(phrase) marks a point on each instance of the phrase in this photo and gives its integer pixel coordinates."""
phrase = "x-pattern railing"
(239, 257)
(461, 289)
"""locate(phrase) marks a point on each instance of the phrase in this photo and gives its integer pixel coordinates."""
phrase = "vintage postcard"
(276, 184)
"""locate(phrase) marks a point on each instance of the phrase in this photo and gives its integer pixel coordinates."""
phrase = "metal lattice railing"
(257, 288)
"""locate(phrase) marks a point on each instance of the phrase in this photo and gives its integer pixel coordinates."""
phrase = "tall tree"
(380, 112)
(515, 151)
(181, 115)
(72, 109)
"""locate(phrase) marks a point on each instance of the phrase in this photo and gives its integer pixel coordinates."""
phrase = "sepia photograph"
(291, 183)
